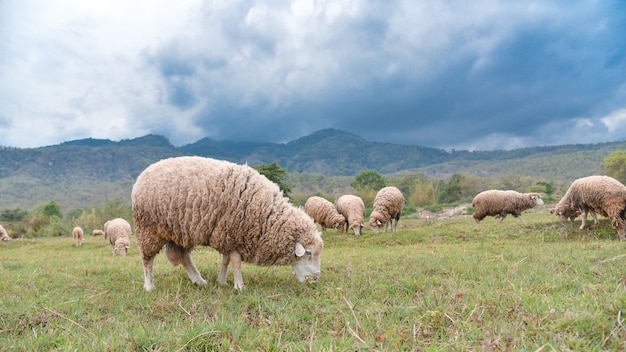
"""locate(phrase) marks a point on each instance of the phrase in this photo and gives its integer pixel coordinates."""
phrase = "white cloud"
(615, 120)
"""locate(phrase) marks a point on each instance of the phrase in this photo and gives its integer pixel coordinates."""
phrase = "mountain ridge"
(91, 171)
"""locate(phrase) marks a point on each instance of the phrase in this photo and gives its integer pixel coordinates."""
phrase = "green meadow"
(441, 285)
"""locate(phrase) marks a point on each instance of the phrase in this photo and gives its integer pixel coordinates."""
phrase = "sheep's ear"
(300, 249)
(378, 222)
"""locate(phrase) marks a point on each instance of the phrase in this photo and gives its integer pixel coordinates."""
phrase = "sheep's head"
(339, 220)
(376, 221)
(536, 198)
(122, 246)
(308, 260)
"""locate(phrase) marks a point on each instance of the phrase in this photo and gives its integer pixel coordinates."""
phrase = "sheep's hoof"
(148, 288)
(202, 282)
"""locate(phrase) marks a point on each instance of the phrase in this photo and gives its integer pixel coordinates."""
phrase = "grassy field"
(538, 286)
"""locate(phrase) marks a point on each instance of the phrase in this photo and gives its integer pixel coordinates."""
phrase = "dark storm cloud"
(443, 74)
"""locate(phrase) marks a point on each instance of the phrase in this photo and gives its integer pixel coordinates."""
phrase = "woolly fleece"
(353, 209)
(323, 212)
(387, 207)
(189, 201)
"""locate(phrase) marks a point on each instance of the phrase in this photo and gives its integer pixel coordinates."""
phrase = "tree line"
(48, 219)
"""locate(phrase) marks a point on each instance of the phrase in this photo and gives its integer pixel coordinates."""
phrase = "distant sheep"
(387, 209)
(97, 233)
(4, 236)
(78, 235)
(602, 195)
(499, 204)
(184, 202)
(323, 212)
(118, 231)
(353, 209)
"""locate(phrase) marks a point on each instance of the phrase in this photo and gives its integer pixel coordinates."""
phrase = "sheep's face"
(309, 261)
(122, 248)
(536, 198)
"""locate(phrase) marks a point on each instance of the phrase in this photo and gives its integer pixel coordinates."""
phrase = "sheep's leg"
(502, 218)
(192, 271)
(584, 219)
(594, 216)
(148, 262)
(221, 277)
(235, 259)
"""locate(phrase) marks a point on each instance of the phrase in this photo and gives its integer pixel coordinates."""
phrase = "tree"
(452, 191)
(276, 174)
(16, 214)
(52, 209)
(368, 180)
(367, 183)
(614, 165)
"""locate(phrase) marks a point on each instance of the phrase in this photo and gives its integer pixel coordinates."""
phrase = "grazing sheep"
(97, 233)
(499, 204)
(118, 231)
(4, 236)
(387, 207)
(184, 202)
(353, 209)
(602, 195)
(78, 235)
(323, 212)
(566, 210)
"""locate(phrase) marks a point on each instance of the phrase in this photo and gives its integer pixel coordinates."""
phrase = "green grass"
(447, 285)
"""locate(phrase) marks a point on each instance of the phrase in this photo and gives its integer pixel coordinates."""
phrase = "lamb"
(499, 204)
(97, 233)
(602, 195)
(387, 207)
(188, 201)
(118, 231)
(78, 235)
(353, 209)
(323, 212)
(4, 236)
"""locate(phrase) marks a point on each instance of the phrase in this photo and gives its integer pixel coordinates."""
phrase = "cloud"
(443, 74)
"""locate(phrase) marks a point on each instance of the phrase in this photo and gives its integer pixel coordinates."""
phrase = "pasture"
(446, 285)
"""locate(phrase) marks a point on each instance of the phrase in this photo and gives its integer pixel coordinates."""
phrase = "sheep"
(387, 207)
(118, 231)
(499, 204)
(78, 235)
(602, 195)
(353, 209)
(4, 236)
(184, 202)
(97, 233)
(323, 212)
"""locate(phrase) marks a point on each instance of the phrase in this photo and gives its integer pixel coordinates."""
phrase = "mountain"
(88, 172)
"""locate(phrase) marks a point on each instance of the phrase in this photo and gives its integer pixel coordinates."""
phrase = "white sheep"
(602, 195)
(97, 233)
(118, 232)
(499, 204)
(387, 209)
(78, 234)
(353, 209)
(323, 212)
(184, 202)
(4, 236)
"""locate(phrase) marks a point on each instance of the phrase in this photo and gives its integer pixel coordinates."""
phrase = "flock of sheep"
(593, 195)
(183, 202)
(117, 231)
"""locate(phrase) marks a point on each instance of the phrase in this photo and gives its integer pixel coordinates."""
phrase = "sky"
(464, 75)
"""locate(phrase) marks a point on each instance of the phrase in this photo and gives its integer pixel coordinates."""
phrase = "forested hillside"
(89, 172)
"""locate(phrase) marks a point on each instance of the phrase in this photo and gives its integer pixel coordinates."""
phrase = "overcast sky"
(475, 75)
